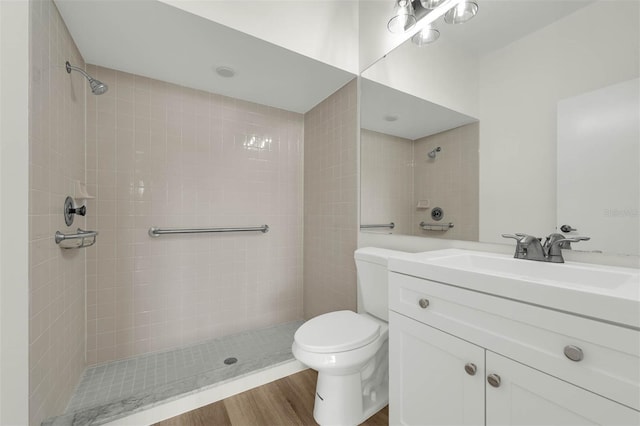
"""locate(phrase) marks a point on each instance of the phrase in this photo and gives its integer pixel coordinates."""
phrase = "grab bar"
(156, 232)
(436, 226)
(80, 235)
(382, 225)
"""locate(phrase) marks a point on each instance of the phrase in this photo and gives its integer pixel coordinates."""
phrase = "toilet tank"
(373, 288)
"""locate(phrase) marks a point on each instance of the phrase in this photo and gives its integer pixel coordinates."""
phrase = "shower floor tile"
(109, 391)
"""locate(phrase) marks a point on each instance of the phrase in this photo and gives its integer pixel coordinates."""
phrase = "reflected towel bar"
(156, 232)
(382, 225)
(436, 226)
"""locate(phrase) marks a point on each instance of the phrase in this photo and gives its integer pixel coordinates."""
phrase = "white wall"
(520, 86)
(14, 166)
(598, 148)
(325, 30)
(443, 74)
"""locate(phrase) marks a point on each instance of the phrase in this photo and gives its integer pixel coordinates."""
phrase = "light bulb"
(403, 19)
(462, 12)
(427, 35)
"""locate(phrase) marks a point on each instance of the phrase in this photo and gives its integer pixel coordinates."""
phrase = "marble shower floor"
(109, 391)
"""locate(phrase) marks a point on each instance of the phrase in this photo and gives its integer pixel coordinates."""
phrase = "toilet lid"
(336, 332)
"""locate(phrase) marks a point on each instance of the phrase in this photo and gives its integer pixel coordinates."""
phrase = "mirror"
(504, 73)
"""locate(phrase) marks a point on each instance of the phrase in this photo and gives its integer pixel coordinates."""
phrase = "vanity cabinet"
(461, 357)
(428, 382)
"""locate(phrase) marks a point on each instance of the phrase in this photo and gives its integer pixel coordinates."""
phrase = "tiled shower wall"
(56, 160)
(450, 181)
(397, 173)
(163, 155)
(330, 203)
(386, 176)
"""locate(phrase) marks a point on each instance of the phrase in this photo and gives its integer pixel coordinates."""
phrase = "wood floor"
(288, 401)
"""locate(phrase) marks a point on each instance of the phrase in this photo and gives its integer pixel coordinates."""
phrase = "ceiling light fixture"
(403, 17)
(431, 4)
(461, 13)
(418, 17)
(427, 35)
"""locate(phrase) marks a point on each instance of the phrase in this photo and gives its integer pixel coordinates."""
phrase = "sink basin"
(600, 292)
(573, 274)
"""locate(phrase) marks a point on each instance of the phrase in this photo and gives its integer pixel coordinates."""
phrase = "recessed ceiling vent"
(226, 72)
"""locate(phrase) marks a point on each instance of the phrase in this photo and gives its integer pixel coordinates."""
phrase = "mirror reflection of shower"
(97, 87)
(433, 152)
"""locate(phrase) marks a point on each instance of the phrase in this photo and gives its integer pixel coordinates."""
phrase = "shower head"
(97, 87)
(433, 152)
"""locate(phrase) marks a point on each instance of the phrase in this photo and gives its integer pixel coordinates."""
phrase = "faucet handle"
(517, 236)
(567, 228)
(527, 246)
(514, 236)
(576, 239)
(554, 247)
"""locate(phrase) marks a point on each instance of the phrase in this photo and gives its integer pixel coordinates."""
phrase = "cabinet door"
(428, 384)
(526, 396)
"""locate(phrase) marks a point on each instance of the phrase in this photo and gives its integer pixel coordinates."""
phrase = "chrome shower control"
(494, 380)
(437, 213)
(574, 353)
(69, 211)
(470, 368)
(423, 303)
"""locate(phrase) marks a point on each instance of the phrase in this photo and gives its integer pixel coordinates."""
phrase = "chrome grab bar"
(382, 225)
(156, 232)
(436, 226)
(80, 235)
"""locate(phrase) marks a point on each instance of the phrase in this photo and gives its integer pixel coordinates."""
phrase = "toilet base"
(338, 400)
(347, 400)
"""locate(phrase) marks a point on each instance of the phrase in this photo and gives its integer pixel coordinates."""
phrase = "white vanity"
(480, 338)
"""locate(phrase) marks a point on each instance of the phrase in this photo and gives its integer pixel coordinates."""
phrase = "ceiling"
(153, 39)
(501, 22)
(156, 40)
(416, 118)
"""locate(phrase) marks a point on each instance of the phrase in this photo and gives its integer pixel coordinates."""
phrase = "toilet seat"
(338, 331)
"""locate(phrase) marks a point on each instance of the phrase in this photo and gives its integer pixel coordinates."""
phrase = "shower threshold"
(111, 391)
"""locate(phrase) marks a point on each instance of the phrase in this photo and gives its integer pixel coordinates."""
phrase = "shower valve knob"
(82, 211)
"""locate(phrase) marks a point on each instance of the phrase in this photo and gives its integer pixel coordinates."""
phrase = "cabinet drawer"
(532, 335)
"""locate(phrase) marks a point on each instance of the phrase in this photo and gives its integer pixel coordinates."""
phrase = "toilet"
(350, 350)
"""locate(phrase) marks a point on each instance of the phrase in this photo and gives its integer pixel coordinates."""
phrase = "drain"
(230, 361)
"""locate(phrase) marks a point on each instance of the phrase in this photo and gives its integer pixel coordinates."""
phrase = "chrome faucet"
(531, 248)
(527, 247)
(554, 244)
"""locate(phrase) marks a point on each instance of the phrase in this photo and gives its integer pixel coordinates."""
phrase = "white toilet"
(350, 351)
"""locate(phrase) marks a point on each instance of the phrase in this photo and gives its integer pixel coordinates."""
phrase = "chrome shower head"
(97, 87)
(433, 152)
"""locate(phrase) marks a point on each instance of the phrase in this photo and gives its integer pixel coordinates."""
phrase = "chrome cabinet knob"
(574, 353)
(470, 368)
(423, 303)
(494, 380)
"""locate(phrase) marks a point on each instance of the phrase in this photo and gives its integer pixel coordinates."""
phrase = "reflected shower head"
(97, 87)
